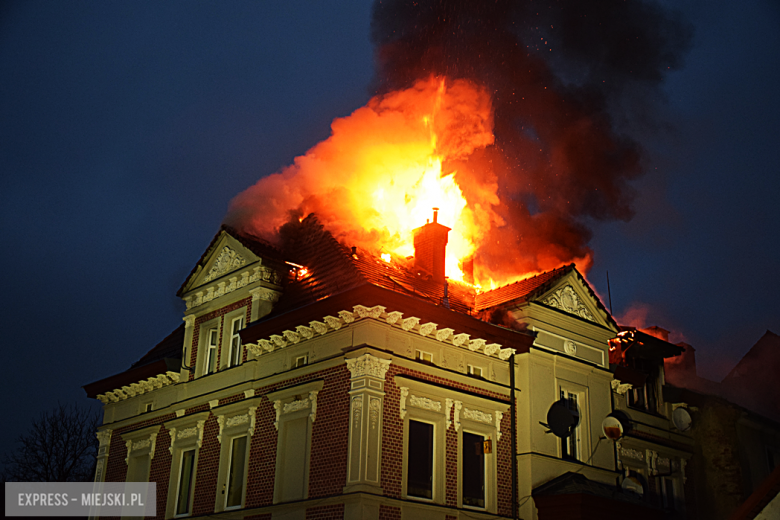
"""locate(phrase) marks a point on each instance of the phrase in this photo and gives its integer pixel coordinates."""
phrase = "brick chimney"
(430, 244)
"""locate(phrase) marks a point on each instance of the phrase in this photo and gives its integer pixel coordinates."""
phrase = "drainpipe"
(513, 415)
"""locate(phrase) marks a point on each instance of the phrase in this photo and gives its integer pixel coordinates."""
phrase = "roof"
(170, 347)
(257, 245)
(333, 268)
(522, 290)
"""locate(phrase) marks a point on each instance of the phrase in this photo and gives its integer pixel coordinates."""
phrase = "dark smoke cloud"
(571, 81)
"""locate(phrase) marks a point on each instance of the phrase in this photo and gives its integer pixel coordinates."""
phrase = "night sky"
(126, 128)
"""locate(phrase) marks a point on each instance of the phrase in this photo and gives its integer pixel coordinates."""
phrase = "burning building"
(323, 380)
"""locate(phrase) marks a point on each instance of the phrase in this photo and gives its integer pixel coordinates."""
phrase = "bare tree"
(60, 446)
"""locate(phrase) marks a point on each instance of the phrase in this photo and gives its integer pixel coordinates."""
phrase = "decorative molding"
(294, 406)
(425, 403)
(185, 433)
(447, 409)
(319, 327)
(427, 328)
(499, 418)
(228, 260)
(213, 403)
(566, 299)
(248, 418)
(477, 415)
(492, 348)
(374, 408)
(278, 408)
(404, 395)
(620, 388)
(460, 339)
(506, 353)
(134, 445)
(393, 317)
(104, 437)
(367, 365)
(369, 312)
(444, 334)
(570, 347)
(237, 420)
(304, 332)
(476, 344)
(458, 407)
(409, 323)
(632, 453)
(249, 393)
(333, 322)
(292, 337)
(139, 388)
(347, 316)
(357, 410)
(189, 321)
(313, 401)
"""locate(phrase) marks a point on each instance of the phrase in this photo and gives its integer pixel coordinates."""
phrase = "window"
(419, 477)
(296, 411)
(186, 435)
(211, 351)
(644, 397)
(475, 371)
(473, 473)
(425, 357)
(140, 445)
(667, 493)
(300, 361)
(570, 446)
(186, 475)
(236, 473)
(235, 356)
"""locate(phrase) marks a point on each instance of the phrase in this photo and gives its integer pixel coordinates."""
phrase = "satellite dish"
(681, 419)
(561, 419)
(612, 428)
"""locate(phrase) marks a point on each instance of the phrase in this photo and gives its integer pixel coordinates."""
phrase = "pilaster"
(366, 397)
(189, 327)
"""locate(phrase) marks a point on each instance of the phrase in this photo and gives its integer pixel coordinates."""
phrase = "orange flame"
(384, 168)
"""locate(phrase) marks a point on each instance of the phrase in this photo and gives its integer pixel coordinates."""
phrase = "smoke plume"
(570, 86)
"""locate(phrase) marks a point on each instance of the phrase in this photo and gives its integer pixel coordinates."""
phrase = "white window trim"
(293, 403)
(227, 337)
(422, 354)
(490, 466)
(582, 431)
(234, 420)
(432, 404)
(229, 461)
(203, 345)
(141, 443)
(186, 433)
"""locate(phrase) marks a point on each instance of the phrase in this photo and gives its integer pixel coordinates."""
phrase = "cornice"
(394, 319)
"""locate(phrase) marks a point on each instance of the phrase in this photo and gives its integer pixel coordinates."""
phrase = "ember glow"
(522, 147)
(380, 173)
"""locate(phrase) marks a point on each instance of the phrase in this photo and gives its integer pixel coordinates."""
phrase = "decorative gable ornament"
(566, 299)
(228, 260)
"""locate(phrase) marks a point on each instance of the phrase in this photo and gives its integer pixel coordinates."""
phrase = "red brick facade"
(219, 313)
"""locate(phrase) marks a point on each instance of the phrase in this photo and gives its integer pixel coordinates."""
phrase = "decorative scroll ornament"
(368, 365)
(304, 331)
(410, 323)
(292, 337)
(228, 260)
(357, 410)
(447, 409)
(393, 317)
(570, 347)
(369, 312)
(478, 415)
(404, 395)
(374, 407)
(460, 339)
(458, 407)
(492, 348)
(566, 299)
(104, 437)
(237, 420)
(427, 328)
(319, 327)
(499, 418)
(444, 334)
(347, 316)
(141, 444)
(333, 322)
(476, 344)
(295, 406)
(505, 353)
(425, 403)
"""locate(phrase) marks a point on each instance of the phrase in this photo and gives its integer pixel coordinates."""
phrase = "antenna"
(561, 419)
(609, 292)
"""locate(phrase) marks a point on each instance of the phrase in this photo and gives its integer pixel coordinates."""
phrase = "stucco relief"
(566, 299)
(425, 403)
(228, 260)
(368, 365)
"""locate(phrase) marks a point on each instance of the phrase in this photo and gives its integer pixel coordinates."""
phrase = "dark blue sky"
(126, 129)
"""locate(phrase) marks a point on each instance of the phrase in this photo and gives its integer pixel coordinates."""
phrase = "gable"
(225, 255)
(573, 296)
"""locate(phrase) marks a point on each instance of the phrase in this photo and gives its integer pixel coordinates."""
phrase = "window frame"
(203, 346)
(419, 355)
(279, 399)
(191, 495)
(183, 439)
(211, 350)
(245, 470)
(582, 431)
(228, 320)
(470, 370)
(140, 436)
(229, 429)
